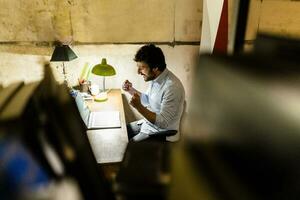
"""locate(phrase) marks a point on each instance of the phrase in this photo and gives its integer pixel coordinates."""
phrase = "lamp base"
(101, 97)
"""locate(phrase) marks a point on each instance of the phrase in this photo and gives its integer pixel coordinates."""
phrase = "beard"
(148, 77)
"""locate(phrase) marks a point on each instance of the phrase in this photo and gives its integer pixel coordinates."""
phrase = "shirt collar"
(162, 76)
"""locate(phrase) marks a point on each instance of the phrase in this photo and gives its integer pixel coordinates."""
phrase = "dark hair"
(151, 55)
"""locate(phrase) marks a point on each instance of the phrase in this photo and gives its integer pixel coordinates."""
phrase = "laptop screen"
(82, 108)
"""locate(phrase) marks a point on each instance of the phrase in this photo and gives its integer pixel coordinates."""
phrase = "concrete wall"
(180, 59)
(100, 21)
(97, 29)
(29, 28)
(279, 17)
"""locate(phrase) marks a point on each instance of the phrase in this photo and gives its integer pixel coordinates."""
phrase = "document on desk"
(104, 119)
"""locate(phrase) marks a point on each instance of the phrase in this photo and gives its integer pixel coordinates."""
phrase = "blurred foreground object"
(44, 146)
(243, 124)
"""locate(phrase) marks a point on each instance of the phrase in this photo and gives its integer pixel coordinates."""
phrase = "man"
(162, 104)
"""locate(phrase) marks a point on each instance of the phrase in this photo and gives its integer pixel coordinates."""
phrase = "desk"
(109, 145)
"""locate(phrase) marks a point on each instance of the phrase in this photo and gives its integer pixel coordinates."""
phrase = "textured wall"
(27, 20)
(106, 21)
(123, 21)
(188, 20)
(28, 28)
(181, 60)
(280, 17)
(15, 67)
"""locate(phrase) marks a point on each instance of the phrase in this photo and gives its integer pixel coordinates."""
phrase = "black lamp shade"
(63, 53)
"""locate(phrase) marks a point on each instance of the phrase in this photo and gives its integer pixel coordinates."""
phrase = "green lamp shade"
(103, 69)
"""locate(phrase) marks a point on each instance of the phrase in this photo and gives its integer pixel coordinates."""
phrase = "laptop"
(97, 119)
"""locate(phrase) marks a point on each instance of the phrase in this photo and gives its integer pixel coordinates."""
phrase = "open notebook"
(97, 119)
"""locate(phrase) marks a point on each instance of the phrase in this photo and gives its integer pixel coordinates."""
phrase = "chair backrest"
(164, 135)
(183, 115)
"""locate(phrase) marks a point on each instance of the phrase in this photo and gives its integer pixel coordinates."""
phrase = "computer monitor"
(244, 125)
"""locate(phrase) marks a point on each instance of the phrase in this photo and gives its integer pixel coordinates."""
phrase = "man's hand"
(127, 86)
(136, 101)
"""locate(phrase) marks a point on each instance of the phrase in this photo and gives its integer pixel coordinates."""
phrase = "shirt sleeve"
(145, 97)
(170, 106)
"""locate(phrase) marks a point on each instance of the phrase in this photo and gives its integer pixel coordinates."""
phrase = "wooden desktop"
(109, 144)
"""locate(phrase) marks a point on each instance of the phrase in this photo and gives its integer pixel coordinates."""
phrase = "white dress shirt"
(165, 96)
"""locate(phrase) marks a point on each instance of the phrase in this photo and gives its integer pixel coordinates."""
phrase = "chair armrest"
(164, 133)
(155, 136)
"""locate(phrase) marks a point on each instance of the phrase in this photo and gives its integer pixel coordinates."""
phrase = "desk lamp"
(104, 70)
(63, 53)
